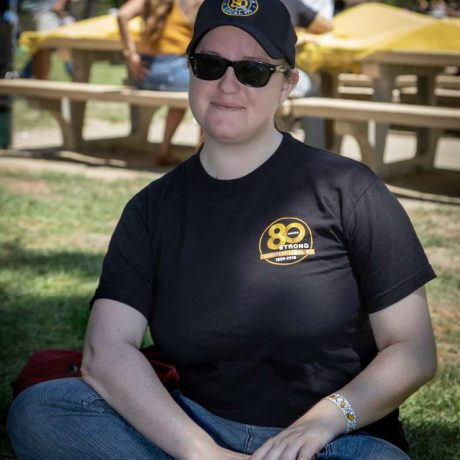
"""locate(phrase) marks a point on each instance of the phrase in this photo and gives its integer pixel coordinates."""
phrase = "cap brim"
(263, 41)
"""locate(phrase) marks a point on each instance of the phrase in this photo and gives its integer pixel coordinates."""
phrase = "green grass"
(54, 229)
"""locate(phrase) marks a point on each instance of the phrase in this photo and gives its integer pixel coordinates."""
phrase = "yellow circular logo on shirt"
(286, 241)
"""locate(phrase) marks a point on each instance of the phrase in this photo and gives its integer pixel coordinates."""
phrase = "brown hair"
(156, 11)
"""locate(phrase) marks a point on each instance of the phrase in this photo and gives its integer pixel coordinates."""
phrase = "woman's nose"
(228, 82)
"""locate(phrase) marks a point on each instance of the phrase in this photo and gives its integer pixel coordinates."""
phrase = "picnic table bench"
(361, 86)
(53, 96)
(351, 116)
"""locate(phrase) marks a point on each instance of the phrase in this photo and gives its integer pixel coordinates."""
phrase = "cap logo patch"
(286, 241)
(239, 7)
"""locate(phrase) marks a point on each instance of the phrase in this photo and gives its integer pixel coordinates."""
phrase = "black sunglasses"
(251, 73)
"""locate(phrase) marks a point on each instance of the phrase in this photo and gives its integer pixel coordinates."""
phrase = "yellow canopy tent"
(370, 27)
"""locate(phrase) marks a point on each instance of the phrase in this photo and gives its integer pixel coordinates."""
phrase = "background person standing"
(40, 16)
(159, 62)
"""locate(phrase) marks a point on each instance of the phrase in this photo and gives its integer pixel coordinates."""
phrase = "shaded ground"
(441, 185)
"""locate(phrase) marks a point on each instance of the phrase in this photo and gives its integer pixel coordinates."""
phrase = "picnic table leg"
(384, 81)
(82, 62)
(329, 89)
(427, 139)
(55, 108)
(141, 118)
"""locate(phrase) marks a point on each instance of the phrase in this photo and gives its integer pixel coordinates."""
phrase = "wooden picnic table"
(384, 67)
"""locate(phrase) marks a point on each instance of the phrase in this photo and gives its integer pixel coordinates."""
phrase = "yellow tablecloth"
(97, 28)
(370, 27)
(358, 32)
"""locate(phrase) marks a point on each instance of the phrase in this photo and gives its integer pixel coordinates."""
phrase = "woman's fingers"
(293, 443)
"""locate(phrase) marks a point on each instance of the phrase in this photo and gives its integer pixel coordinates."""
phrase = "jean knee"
(361, 447)
(33, 409)
(25, 414)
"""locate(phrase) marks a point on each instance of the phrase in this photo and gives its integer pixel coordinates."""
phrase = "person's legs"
(173, 120)
(247, 439)
(41, 64)
(229, 434)
(41, 60)
(67, 419)
(167, 73)
(360, 447)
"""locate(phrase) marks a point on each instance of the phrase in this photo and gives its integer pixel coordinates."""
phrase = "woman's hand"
(297, 442)
(136, 66)
(306, 437)
(212, 451)
(225, 454)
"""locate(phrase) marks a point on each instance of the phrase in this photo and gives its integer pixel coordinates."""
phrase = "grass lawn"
(54, 229)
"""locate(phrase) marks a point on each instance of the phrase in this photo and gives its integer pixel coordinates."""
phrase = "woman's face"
(227, 110)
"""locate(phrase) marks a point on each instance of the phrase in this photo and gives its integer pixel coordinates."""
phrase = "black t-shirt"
(259, 288)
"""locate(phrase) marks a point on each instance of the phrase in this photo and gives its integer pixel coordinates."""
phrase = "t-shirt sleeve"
(128, 266)
(386, 254)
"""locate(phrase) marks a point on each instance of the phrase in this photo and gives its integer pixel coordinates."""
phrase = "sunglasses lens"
(251, 73)
(208, 67)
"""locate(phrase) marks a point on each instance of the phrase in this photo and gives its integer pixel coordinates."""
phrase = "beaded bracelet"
(346, 409)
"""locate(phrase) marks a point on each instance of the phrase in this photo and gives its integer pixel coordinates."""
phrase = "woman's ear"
(289, 84)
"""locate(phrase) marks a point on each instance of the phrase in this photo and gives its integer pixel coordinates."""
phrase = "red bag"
(54, 364)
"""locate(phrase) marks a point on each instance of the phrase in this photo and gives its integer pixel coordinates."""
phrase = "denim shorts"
(167, 72)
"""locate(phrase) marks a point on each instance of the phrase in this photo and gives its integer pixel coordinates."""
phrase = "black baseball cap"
(268, 21)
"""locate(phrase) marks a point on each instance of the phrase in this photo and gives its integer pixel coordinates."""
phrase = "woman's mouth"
(227, 106)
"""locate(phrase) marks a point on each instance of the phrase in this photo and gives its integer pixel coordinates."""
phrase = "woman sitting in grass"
(284, 281)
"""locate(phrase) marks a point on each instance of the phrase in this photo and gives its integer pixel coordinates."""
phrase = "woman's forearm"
(129, 47)
(128, 11)
(125, 379)
(393, 375)
(407, 360)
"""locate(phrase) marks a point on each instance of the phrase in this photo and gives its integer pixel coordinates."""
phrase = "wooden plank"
(444, 96)
(86, 44)
(178, 99)
(448, 81)
(46, 89)
(53, 89)
(402, 81)
(365, 81)
(420, 58)
(340, 109)
(382, 112)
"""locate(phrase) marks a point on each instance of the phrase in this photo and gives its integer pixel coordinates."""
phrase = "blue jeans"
(67, 419)
(167, 72)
